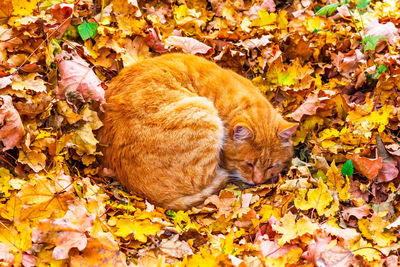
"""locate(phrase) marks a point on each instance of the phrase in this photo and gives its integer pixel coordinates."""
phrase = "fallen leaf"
(6, 258)
(367, 167)
(175, 248)
(358, 212)
(187, 44)
(12, 130)
(65, 233)
(309, 107)
(77, 76)
(388, 30)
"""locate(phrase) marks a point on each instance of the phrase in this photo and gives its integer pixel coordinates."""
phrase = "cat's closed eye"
(251, 165)
(275, 165)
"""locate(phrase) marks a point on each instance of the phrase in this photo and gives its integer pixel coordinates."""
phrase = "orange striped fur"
(176, 127)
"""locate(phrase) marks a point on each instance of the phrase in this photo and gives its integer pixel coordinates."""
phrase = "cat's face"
(255, 156)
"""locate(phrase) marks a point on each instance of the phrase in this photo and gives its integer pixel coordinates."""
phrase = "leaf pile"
(333, 67)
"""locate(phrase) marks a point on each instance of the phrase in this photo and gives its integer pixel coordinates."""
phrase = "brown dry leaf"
(136, 50)
(65, 233)
(28, 82)
(175, 248)
(358, 212)
(223, 202)
(12, 130)
(309, 107)
(35, 159)
(101, 250)
(34, 106)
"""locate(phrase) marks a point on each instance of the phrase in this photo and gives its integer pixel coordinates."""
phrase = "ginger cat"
(177, 127)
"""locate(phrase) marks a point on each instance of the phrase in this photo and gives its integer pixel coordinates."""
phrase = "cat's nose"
(258, 177)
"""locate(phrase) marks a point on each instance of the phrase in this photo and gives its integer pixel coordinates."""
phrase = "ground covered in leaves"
(333, 67)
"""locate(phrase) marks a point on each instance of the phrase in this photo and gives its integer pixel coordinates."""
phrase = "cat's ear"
(287, 130)
(241, 132)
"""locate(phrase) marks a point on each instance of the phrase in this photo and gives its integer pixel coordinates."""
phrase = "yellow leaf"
(336, 182)
(64, 109)
(136, 51)
(290, 229)
(127, 225)
(329, 133)
(292, 258)
(202, 259)
(5, 177)
(265, 18)
(319, 198)
(24, 8)
(374, 229)
(36, 159)
(84, 140)
(28, 82)
(314, 23)
(227, 243)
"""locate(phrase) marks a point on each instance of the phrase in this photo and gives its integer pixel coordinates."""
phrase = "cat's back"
(160, 138)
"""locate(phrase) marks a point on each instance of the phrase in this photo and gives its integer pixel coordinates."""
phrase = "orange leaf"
(367, 167)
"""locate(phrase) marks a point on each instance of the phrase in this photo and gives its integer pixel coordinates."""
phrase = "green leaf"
(327, 10)
(347, 168)
(87, 30)
(363, 4)
(381, 69)
(370, 42)
(171, 213)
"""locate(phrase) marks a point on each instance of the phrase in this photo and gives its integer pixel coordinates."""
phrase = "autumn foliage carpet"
(333, 67)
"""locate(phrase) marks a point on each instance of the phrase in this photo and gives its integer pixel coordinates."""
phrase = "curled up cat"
(177, 127)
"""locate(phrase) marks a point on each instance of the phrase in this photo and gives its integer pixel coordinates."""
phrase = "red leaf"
(77, 76)
(13, 130)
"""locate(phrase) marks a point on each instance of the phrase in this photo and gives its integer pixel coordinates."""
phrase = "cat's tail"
(188, 201)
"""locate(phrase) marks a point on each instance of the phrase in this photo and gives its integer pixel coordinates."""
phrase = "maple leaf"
(373, 229)
(336, 182)
(223, 202)
(136, 50)
(175, 248)
(319, 198)
(12, 130)
(291, 229)
(127, 225)
(77, 76)
(5, 177)
(101, 250)
(315, 249)
(187, 44)
(309, 107)
(358, 212)
(65, 233)
(63, 14)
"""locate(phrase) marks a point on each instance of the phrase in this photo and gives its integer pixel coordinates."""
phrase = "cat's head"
(258, 153)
